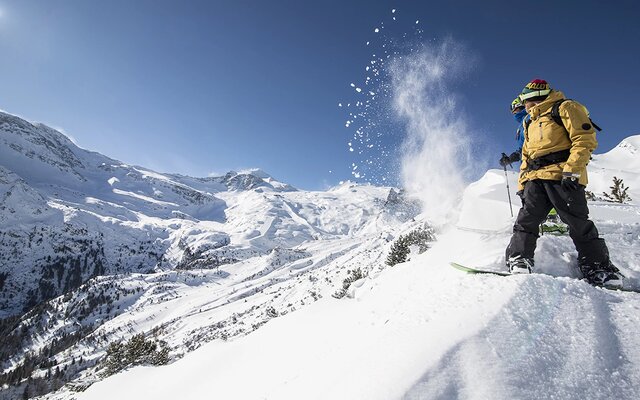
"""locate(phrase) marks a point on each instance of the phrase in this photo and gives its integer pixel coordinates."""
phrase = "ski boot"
(520, 265)
(603, 274)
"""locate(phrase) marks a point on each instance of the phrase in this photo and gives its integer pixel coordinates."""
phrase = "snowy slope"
(422, 330)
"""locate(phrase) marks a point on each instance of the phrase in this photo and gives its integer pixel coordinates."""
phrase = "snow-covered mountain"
(96, 251)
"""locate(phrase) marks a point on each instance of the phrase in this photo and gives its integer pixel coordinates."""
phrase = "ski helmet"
(537, 88)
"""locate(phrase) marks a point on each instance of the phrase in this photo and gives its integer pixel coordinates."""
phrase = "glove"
(504, 160)
(569, 182)
(520, 194)
(514, 157)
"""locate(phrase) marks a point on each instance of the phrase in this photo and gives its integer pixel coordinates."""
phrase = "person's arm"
(515, 156)
(523, 165)
(582, 135)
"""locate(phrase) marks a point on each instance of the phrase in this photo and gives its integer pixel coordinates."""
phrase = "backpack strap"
(555, 114)
(526, 123)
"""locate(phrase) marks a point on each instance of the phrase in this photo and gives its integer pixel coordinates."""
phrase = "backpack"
(555, 115)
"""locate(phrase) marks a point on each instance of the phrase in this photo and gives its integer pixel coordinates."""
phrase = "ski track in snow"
(536, 348)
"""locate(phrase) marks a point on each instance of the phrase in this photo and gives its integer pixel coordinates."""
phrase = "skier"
(551, 222)
(553, 173)
(519, 114)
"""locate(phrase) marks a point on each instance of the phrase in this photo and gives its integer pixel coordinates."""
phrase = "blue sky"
(200, 87)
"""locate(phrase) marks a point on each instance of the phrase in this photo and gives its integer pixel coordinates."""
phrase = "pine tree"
(354, 275)
(618, 192)
(401, 248)
(399, 251)
(136, 351)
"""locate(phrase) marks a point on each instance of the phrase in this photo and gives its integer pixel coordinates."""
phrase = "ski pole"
(506, 178)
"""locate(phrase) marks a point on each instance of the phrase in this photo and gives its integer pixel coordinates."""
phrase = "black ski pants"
(538, 198)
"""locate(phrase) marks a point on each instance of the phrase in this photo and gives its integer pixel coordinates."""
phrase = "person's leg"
(535, 207)
(593, 254)
(573, 211)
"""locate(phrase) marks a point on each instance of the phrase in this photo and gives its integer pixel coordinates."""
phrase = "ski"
(554, 229)
(471, 270)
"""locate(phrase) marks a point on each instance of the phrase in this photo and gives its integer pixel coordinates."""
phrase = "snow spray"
(436, 151)
(377, 133)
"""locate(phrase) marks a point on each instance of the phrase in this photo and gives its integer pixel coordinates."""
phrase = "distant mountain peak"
(632, 144)
(250, 179)
(256, 172)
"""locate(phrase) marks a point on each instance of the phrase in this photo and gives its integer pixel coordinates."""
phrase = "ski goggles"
(515, 104)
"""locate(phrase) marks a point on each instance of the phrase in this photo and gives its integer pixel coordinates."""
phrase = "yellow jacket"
(543, 136)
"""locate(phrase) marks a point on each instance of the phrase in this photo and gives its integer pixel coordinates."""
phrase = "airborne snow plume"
(436, 152)
(376, 138)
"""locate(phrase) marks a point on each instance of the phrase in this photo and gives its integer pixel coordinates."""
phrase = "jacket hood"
(545, 106)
